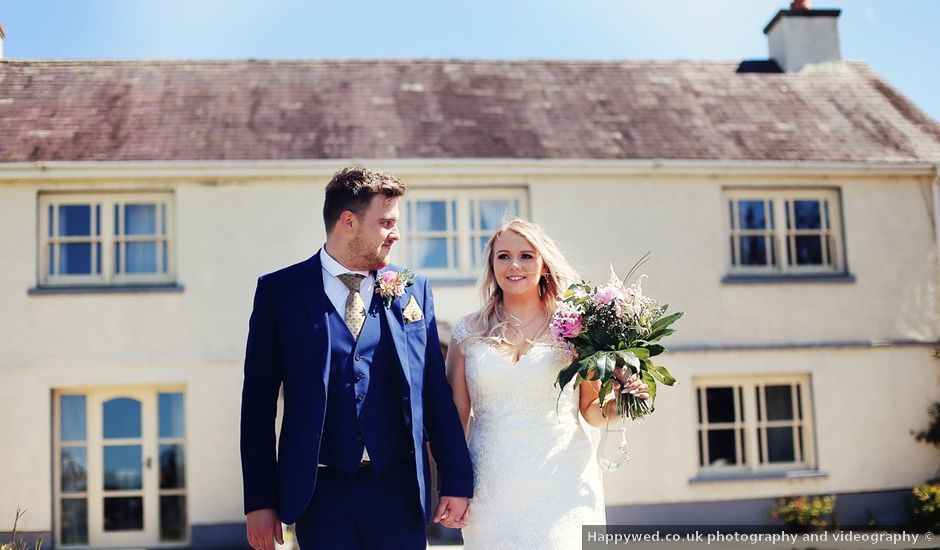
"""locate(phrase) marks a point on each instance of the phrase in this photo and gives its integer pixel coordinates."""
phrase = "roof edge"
(267, 169)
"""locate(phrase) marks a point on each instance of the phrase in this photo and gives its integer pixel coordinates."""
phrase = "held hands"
(264, 527)
(452, 512)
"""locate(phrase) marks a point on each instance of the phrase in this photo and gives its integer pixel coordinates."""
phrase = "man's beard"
(369, 257)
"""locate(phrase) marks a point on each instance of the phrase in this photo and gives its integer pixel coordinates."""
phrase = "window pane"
(72, 412)
(431, 216)
(172, 468)
(75, 259)
(121, 418)
(123, 467)
(74, 220)
(493, 212)
(751, 215)
(431, 253)
(118, 266)
(720, 404)
(807, 214)
(51, 214)
(779, 403)
(124, 514)
(74, 470)
(809, 250)
(171, 414)
(166, 256)
(140, 219)
(74, 521)
(163, 219)
(753, 251)
(142, 257)
(721, 449)
(479, 244)
(780, 444)
(172, 517)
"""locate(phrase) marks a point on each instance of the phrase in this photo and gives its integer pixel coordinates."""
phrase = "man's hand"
(264, 527)
(452, 512)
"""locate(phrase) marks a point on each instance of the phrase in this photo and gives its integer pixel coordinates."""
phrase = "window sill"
(784, 279)
(103, 289)
(757, 476)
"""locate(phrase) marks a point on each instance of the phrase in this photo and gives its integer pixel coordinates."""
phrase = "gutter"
(443, 168)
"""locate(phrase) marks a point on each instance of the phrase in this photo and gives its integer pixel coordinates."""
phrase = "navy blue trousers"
(364, 511)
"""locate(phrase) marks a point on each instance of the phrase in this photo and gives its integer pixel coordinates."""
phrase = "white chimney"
(802, 36)
(1, 41)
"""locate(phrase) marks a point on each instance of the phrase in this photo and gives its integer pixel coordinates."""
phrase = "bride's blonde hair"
(491, 321)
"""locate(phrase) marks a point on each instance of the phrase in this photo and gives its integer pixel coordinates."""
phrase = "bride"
(536, 480)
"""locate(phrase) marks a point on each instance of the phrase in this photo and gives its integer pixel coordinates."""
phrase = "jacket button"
(404, 398)
(358, 357)
(360, 397)
(360, 376)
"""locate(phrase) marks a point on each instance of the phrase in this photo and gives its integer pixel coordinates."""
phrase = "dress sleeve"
(461, 330)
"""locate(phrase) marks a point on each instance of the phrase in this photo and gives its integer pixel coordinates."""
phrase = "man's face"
(377, 231)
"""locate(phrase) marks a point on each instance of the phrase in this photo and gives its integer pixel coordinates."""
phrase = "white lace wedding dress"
(536, 481)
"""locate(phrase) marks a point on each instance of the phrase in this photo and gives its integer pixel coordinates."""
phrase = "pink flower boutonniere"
(391, 284)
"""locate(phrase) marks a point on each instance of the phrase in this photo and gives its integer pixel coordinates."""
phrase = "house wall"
(229, 229)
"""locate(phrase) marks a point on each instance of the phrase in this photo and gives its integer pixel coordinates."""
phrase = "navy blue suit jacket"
(288, 342)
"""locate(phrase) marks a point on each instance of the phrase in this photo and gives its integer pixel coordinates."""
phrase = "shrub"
(805, 513)
(925, 514)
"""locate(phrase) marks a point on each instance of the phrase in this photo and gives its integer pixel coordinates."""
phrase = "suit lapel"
(315, 299)
(396, 323)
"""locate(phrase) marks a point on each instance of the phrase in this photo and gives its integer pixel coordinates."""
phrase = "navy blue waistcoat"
(365, 403)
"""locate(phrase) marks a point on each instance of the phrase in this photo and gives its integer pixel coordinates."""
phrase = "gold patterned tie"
(355, 308)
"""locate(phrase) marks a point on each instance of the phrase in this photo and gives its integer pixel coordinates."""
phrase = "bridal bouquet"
(614, 333)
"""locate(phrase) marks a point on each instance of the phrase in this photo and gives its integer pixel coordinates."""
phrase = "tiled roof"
(211, 110)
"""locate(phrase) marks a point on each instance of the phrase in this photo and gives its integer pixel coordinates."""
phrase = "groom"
(364, 388)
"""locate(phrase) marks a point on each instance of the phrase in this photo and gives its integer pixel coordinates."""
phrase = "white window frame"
(94, 444)
(107, 239)
(465, 208)
(779, 235)
(751, 450)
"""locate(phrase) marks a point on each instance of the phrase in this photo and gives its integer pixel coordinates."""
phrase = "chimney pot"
(801, 5)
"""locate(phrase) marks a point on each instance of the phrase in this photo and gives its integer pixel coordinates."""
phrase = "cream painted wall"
(230, 231)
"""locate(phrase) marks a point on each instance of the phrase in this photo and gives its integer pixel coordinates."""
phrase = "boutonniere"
(391, 284)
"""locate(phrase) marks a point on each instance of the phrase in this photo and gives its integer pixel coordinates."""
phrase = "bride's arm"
(588, 405)
(458, 382)
(589, 401)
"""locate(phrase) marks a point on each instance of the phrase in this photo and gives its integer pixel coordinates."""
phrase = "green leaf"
(659, 333)
(648, 379)
(656, 349)
(666, 321)
(641, 353)
(567, 374)
(629, 358)
(666, 377)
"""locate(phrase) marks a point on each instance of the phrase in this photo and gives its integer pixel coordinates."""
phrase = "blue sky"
(898, 38)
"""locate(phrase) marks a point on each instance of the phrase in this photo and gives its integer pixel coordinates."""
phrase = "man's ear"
(347, 221)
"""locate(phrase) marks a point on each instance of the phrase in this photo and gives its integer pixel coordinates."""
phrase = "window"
(91, 239)
(444, 231)
(791, 232)
(754, 424)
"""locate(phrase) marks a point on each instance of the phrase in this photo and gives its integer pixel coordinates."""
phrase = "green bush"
(925, 514)
(805, 513)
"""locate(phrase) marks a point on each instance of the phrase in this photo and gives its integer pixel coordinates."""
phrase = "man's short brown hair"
(352, 189)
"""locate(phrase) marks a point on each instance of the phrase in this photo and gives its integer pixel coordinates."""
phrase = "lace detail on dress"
(461, 330)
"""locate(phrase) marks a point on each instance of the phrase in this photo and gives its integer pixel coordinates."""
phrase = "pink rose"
(607, 295)
(566, 326)
(388, 276)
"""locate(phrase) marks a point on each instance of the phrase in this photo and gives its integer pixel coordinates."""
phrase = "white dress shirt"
(338, 292)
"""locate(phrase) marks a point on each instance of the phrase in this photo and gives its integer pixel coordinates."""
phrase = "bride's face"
(517, 265)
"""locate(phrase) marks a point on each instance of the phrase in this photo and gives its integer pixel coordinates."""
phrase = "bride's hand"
(633, 385)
